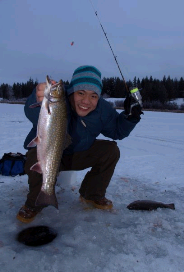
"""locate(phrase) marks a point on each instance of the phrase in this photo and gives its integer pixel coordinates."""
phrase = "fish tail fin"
(171, 206)
(44, 199)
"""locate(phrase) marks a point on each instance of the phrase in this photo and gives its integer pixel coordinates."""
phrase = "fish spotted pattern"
(51, 140)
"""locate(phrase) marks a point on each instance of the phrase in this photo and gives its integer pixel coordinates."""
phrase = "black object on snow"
(36, 236)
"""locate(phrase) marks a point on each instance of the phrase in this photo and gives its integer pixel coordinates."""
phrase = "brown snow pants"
(102, 157)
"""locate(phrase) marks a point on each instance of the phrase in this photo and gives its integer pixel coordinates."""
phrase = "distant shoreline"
(159, 110)
(5, 101)
(21, 102)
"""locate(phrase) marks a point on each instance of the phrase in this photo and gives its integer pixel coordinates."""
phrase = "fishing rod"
(133, 91)
(115, 58)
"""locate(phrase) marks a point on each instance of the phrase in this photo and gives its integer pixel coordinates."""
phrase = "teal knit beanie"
(86, 78)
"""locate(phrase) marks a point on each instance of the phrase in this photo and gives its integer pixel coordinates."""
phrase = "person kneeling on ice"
(88, 116)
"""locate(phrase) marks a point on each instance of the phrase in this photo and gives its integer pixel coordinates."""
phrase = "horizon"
(35, 80)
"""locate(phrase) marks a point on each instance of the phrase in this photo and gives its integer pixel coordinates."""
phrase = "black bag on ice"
(12, 164)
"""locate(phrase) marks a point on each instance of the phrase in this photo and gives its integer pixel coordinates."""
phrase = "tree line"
(151, 89)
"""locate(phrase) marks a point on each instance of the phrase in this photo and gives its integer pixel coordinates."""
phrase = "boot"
(99, 203)
(26, 214)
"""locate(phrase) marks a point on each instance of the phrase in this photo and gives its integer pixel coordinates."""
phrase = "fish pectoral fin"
(34, 142)
(44, 199)
(35, 105)
(37, 168)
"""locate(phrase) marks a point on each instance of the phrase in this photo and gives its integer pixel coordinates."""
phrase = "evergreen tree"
(119, 88)
(151, 79)
(135, 82)
(105, 86)
(138, 83)
(181, 87)
(146, 89)
(162, 93)
(5, 91)
(66, 83)
(17, 90)
(169, 87)
(164, 80)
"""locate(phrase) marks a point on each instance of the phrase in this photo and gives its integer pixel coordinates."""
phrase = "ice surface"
(90, 240)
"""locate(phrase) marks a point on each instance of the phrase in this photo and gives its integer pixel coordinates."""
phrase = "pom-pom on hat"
(86, 78)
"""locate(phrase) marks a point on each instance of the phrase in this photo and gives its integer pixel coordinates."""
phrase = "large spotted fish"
(51, 140)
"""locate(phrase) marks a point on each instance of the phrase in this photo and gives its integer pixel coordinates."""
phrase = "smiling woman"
(85, 89)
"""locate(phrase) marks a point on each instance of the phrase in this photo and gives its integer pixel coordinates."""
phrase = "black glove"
(131, 110)
(136, 112)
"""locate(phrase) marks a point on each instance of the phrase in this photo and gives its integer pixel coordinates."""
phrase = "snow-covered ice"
(90, 240)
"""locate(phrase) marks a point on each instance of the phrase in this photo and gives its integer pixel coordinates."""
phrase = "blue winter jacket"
(84, 130)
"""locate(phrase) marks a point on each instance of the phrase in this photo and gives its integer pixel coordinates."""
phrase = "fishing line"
(115, 58)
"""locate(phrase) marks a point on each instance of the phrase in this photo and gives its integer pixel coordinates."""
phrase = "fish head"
(130, 207)
(54, 92)
(133, 206)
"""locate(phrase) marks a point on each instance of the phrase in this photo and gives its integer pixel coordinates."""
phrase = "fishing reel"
(136, 98)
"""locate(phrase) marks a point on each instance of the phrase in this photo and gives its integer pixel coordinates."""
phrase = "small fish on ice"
(149, 205)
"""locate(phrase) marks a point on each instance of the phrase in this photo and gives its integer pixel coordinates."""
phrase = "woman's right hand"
(40, 88)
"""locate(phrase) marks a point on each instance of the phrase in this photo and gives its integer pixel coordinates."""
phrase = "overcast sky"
(35, 38)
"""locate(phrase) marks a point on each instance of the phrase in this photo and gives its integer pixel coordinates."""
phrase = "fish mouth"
(53, 85)
(55, 88)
